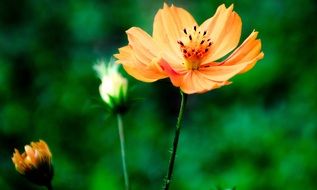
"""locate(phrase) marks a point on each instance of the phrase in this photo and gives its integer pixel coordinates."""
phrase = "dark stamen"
(190, 37)
(205, 32)
(206, 50)
(184, 51)
(185, 31)
(195, 28)
(209, 44)
(180, 43)
(202, 42)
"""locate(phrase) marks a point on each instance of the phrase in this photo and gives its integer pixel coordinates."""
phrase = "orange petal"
(16, 158)
(175, 76)
(140, 57)
(168, 26)
(190, 81)
(224, 30)
(146, 72)
(139, 75)
(222, 72)
(124, 54)
(195, 82)
(249, 52)
(143, 45)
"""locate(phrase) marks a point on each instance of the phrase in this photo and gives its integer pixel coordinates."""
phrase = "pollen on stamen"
(194, 46)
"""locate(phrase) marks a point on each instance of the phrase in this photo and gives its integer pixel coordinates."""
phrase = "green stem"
(124, 167)
(175, 142)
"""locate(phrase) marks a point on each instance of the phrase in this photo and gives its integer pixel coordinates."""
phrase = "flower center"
(194, 46)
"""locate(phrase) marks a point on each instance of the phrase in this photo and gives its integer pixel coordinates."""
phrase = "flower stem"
(121, 135)
(175, 141)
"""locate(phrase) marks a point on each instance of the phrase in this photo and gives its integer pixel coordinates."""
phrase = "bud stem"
(175, 142)
(121, 136)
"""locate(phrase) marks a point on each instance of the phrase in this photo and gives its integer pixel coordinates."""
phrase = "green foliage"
(259, 133)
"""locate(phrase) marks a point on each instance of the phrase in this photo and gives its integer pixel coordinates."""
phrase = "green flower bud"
(113, 88)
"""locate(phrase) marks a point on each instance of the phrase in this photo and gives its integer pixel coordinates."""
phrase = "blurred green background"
(260, 133)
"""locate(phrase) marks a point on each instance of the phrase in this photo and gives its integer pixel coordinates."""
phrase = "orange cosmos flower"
(188, 53)
(35, 163)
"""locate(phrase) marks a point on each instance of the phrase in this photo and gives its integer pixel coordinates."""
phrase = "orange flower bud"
(35, 163)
